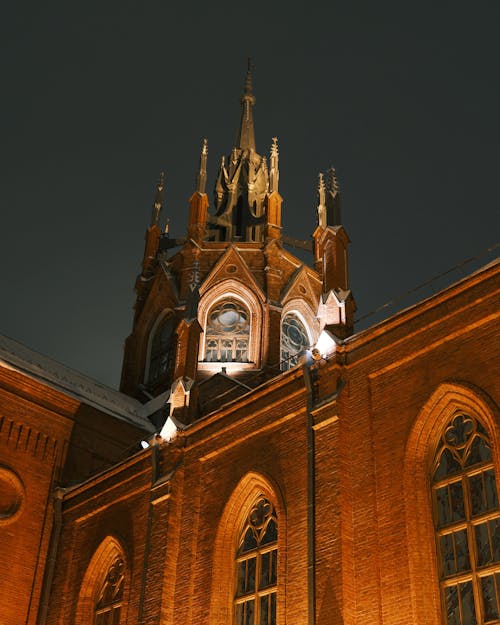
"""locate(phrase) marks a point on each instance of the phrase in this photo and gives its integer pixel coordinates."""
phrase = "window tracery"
(227, 332)
(294, 340)
(256, 567)
(162, 352)
(109, 600)
(467, 522)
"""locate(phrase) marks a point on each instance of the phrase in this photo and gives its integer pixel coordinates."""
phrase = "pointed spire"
(220, 184)
(246, 134)
(332, 198)
(321, 202)
(201, 178)
(158, 203)
(274, 174)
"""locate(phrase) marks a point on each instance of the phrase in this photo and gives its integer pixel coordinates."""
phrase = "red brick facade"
(340, 448)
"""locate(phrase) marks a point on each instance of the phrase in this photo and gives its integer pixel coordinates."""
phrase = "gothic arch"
(108, 552)
(290, 349)
(304, 312)
(250, 487)
(448, 399)
(234, 289)
(166, 312)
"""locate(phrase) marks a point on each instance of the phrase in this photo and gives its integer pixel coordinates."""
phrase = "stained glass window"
(467, 521)
(256, 567)
(227, 333)
(162, 351)
(109, 602)
(294, 341)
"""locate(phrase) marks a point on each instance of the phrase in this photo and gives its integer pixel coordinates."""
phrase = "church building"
(262, 463)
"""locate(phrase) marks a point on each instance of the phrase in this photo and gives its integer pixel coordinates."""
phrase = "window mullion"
(257, 589)
(473, 556)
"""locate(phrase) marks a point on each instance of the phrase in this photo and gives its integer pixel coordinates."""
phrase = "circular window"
(231, 269)
(11, 494)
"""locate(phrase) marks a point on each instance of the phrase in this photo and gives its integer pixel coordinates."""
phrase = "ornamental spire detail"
(158, 202)
(274, 174)
(201, 178)
(322, 221)
(332, 198)
(246, 134)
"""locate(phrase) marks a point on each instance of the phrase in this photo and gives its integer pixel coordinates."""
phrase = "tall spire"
(157, 205)
(201, 178)
(246, 135)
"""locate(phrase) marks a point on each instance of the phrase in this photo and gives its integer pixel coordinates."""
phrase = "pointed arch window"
(294, 340)
(256, 567)
(110, 597)
(162, 353)
(227, 332)
(467, 522)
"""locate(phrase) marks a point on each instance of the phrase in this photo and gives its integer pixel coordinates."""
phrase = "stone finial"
(158, 201)
(201, 178)
(274, 174)
(333, 208)
(321, 202)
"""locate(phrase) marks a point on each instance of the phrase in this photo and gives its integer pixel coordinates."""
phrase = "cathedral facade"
(262, 463)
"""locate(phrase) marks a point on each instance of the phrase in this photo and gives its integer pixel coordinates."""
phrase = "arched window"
(294, 340)
(109, 599)
(162, 351)
(227, 332)
(256, 567)
(467, 523)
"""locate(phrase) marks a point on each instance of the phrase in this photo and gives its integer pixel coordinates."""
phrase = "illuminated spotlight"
(326, 344)
(144, 444)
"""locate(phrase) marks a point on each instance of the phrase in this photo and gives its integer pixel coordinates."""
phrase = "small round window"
(11, 495)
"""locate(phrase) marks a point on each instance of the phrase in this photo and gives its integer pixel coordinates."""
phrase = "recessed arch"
(449, 399)
(249, 489)
(110, 553)
(297, 310)
(236, 291)
(165, 316)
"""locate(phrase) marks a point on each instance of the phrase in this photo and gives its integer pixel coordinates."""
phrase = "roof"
(17, 356)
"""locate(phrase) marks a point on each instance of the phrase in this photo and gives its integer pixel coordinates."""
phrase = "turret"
(152, 241)
(198, 202)
(273, 198)
(153, 232)
(336, 309)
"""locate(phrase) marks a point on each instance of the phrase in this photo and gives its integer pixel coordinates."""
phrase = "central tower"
(232, 307)
(244, 183)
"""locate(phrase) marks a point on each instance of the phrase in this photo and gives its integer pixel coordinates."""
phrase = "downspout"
(52, 557)
(311, 500)
(147, 546)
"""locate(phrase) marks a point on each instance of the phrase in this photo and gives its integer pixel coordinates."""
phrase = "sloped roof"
(17, 356)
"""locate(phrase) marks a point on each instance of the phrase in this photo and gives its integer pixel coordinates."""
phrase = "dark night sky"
(98, 97)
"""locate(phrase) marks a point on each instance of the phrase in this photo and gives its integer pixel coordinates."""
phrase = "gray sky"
(98, 97)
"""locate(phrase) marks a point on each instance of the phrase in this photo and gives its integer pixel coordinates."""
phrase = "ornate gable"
(232, 266)
(300, 286)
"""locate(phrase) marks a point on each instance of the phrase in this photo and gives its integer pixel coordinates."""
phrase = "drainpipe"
(147, 546)
(311, 499)
(51, 557)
